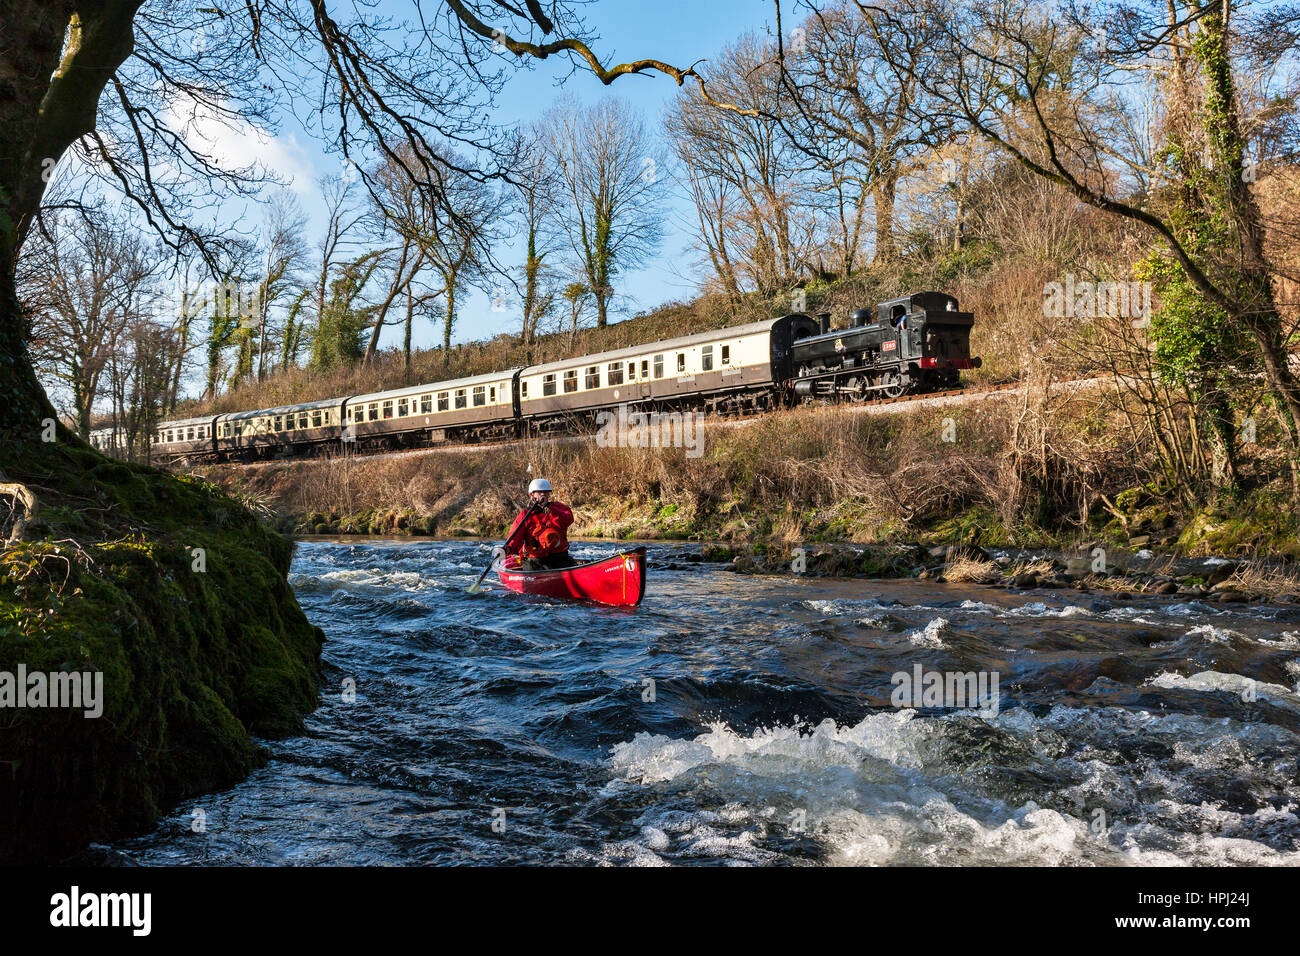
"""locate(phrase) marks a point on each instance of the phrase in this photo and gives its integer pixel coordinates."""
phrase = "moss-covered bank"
(178, 595)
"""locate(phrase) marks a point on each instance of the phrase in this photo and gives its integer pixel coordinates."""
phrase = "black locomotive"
(917, 343)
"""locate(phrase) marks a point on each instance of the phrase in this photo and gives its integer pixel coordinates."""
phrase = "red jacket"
(543, 534)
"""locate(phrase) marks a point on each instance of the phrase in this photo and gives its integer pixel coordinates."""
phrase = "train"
(908, 345)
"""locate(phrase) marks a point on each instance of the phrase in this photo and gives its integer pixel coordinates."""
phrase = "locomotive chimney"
(825, 319)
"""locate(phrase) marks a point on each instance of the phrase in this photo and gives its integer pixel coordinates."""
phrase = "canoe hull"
(618, 581)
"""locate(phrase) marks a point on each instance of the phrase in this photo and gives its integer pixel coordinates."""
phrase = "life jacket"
(543, 533)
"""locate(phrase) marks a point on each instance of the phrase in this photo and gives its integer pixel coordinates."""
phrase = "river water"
(748, 720)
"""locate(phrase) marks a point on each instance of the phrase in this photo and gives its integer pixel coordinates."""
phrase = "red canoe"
(619, 580)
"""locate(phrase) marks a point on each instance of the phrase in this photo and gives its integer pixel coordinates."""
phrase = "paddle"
(474, 588)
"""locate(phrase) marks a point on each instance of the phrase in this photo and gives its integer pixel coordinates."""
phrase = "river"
(738, 719)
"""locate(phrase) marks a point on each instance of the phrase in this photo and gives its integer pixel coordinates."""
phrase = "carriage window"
(302, 420)
(315, 420)
(480, 395)
(523, 388)
(571, 380)
(645, 368)
(442, 402)
(279, 423)
(548, 384)
(388, 409)
(460, 398)
(726, 355)
(615, 372)
(288, 423)
(681, 362)
(659, 366)
(426, 404)
(492, 394)
(373, 409)
(593, 378)
(189, 434)
(706, 358)
(169, 435)
(401, 408)
(631, 371)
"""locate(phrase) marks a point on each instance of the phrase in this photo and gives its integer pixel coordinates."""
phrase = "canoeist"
(541, 544)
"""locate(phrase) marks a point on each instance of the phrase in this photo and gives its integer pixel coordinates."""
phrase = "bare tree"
(613, 183)
(753, 188)
(537, 188)
(95, 277)
(283, 255)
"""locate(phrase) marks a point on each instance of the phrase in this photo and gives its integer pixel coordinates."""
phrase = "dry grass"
(966, 570)
(1264, 578)
(1030, 567)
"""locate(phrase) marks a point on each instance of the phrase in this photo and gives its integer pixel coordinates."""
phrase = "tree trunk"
(886, 247)
(50, 95)
(449, 319)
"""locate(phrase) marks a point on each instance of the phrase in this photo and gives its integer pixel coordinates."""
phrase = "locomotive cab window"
(571, 380)
(615, 373)
(897, 315)
(548, 384)
(592, 379)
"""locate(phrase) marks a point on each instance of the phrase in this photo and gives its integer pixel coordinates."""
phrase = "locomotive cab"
(934, 336)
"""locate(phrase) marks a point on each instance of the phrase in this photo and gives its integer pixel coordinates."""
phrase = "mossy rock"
(198, 656)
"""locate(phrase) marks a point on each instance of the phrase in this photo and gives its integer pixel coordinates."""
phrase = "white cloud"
(235, 144)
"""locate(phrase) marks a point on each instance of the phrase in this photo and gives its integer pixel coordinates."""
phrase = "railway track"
(878, 406)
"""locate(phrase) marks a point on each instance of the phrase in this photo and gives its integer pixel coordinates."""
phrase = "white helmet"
(538, 484)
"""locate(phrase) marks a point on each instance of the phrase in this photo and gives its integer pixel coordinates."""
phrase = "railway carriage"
(481, 406)
(277, 432)
(721, 370)
(188, 439)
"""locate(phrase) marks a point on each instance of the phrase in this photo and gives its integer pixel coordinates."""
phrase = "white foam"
(929, 636)
(885, 791)
(1235, 684)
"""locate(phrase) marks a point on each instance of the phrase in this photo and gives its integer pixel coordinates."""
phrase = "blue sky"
(677, 31)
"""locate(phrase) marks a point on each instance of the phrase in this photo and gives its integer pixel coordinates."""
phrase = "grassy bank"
(177, 595)
(1008, 471)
